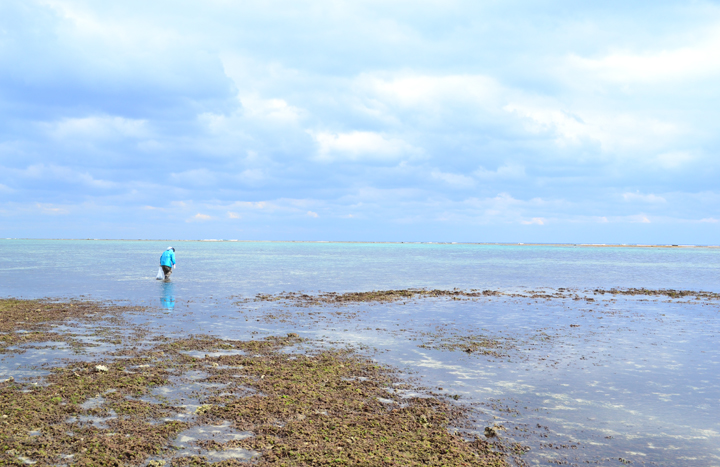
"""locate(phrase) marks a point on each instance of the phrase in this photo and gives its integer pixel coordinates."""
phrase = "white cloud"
(273, 109)
(637, 218)
(251, 176)
(97, 127)
(150, 145)
(199, 217)
(615, 132)
(369, 195)
(674, 160)
(215, 123)
(195, 177)
(64, 174)
(686, 62)
(120, 32)
(212, 105)
(253, 204)
(649, 198)
(453, 180)
(534, 220)
(48, 208)
(431, 91)
(480, 101)
(249, 211)
(254, 110)
(506, 208)
(356, 145)
(569, 128)
(505, 172)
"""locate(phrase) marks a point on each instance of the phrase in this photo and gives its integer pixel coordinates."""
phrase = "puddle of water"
(218, 353)
(40, 346)
(98, 422)
(26, 365)
(93, 403)
(184, 390)
(385, 401)
(20, 374)
(231, 453)
(222, 433)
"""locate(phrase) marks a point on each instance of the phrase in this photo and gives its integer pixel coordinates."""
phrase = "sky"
(362, 120)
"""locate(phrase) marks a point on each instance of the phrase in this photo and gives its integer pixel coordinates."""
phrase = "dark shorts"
(167, 270)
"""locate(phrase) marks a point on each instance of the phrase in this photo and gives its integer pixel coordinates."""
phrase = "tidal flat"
(391, 377)
(153, 400)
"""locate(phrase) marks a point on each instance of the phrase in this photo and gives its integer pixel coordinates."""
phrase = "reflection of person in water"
(167, 261)
(167, 300)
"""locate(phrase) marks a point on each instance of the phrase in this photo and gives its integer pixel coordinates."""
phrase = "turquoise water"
(123, 269)
(609, 381)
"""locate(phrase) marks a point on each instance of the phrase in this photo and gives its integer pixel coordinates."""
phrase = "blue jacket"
(167, 258)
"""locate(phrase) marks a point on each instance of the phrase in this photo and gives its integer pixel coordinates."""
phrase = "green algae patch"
(670, 293)
(378, 296)
(45, 423)
(288, 403)
(401, 295)
(37, 314)
(333, 408)
(25, 323)
(21, 342)
(298, 406)
(470, 344)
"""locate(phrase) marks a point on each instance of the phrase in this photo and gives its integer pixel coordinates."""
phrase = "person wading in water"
(167, 261)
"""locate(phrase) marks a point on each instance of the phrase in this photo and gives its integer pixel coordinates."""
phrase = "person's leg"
(167, 270)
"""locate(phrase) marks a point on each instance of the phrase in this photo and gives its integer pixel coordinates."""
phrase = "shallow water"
(126, 269)
(633, 378)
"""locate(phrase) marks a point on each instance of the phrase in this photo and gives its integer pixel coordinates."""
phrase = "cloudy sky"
(382, 120)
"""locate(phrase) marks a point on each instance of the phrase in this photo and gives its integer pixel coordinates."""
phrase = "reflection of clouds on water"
(167, 299)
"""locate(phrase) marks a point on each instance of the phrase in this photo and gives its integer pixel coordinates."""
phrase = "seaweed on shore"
(298, 407)
(41, 423)
(378, 296)
(337, 408)
(27, 322)
(38, 315)
(389, 296)
(470, 344)
(671, 293)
